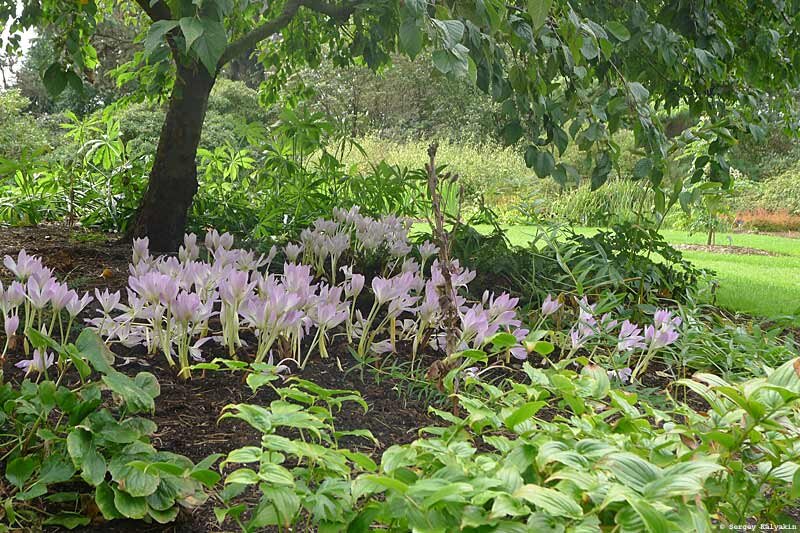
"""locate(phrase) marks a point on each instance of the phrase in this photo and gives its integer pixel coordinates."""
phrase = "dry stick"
(447, 293)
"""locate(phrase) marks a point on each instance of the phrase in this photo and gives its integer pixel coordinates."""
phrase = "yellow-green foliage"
(498, 173)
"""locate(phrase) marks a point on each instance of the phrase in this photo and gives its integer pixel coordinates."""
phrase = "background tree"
(561, 72)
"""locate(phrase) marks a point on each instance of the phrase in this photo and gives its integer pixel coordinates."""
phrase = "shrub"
(764, 220)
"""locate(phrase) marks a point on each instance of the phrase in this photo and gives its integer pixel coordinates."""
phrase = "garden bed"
(187, 411)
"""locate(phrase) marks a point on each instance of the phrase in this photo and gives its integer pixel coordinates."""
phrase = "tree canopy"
(563, 72)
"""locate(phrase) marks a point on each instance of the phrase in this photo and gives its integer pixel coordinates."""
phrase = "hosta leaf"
(550, 501)
(163, 516)
(632, 470)
(129, 506)
(19, 470)
(522, 413)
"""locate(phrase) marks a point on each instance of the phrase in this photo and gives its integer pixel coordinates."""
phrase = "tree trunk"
(173, 179)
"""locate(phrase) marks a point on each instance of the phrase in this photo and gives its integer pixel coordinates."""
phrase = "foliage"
(403, 102)
(65, 446)
(301, 472)
(629, 262)
(564, 449)
(562, 75)
(21, 136)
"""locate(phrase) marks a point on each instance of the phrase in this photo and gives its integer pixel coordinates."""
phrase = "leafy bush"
(64, 445)
(631, 263)
(564, 449)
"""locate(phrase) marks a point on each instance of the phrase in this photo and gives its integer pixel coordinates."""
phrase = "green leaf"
(411, 37)
(94, 467)
(550, 501)
(79, 442)
(94, 350)
(523, 413)
(633, 471)
(67, 520)
(192, 29)
(541, 161)
(210, 47)
(163, 517)
(642, 168)
(54, 79)
(136, 482)
(243, 476)
(104, 498)
(129, 506)
(654, 521)
(156, 33)
(618, 30)
(136, 398)
(18, 470)
(538, 10)
(248, 454)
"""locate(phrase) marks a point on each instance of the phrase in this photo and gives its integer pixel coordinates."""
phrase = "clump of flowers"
(35, 299)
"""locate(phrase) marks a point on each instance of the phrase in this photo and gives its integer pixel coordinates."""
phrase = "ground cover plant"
(528, 402)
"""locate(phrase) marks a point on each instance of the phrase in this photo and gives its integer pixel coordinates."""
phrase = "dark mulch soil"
(724, 249)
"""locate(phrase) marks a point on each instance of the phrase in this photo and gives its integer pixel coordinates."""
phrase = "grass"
(766, 286)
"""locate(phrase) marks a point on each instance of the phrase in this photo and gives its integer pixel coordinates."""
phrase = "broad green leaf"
(633, 471)
(19, 470)
(104, 498)
(618, 30)
(155, 35)
(411, 37)
(550, 501)
(192, 29)
(538, 10)
(523, 413)
(211, 45)
(55, 80)
(93, 349)
(129, 506)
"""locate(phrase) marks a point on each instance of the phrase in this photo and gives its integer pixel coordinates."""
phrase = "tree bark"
(173, 179)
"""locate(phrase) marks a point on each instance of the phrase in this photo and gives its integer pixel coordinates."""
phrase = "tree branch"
(339, 13)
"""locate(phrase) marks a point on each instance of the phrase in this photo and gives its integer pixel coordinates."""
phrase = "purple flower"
(40, 293)
(550, 306)
(141, 250)
(11, 325)
(108, 301)
(427, 250)
(38, 363)
(579, 335)
(25, 266)
(293, 251)
(383, 289)
(519, 352)
(630, 337)
(76, 305)
(624, 374)
(663, 317)
(660, 338)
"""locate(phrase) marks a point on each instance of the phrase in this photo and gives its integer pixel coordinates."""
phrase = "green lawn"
(759, 285)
